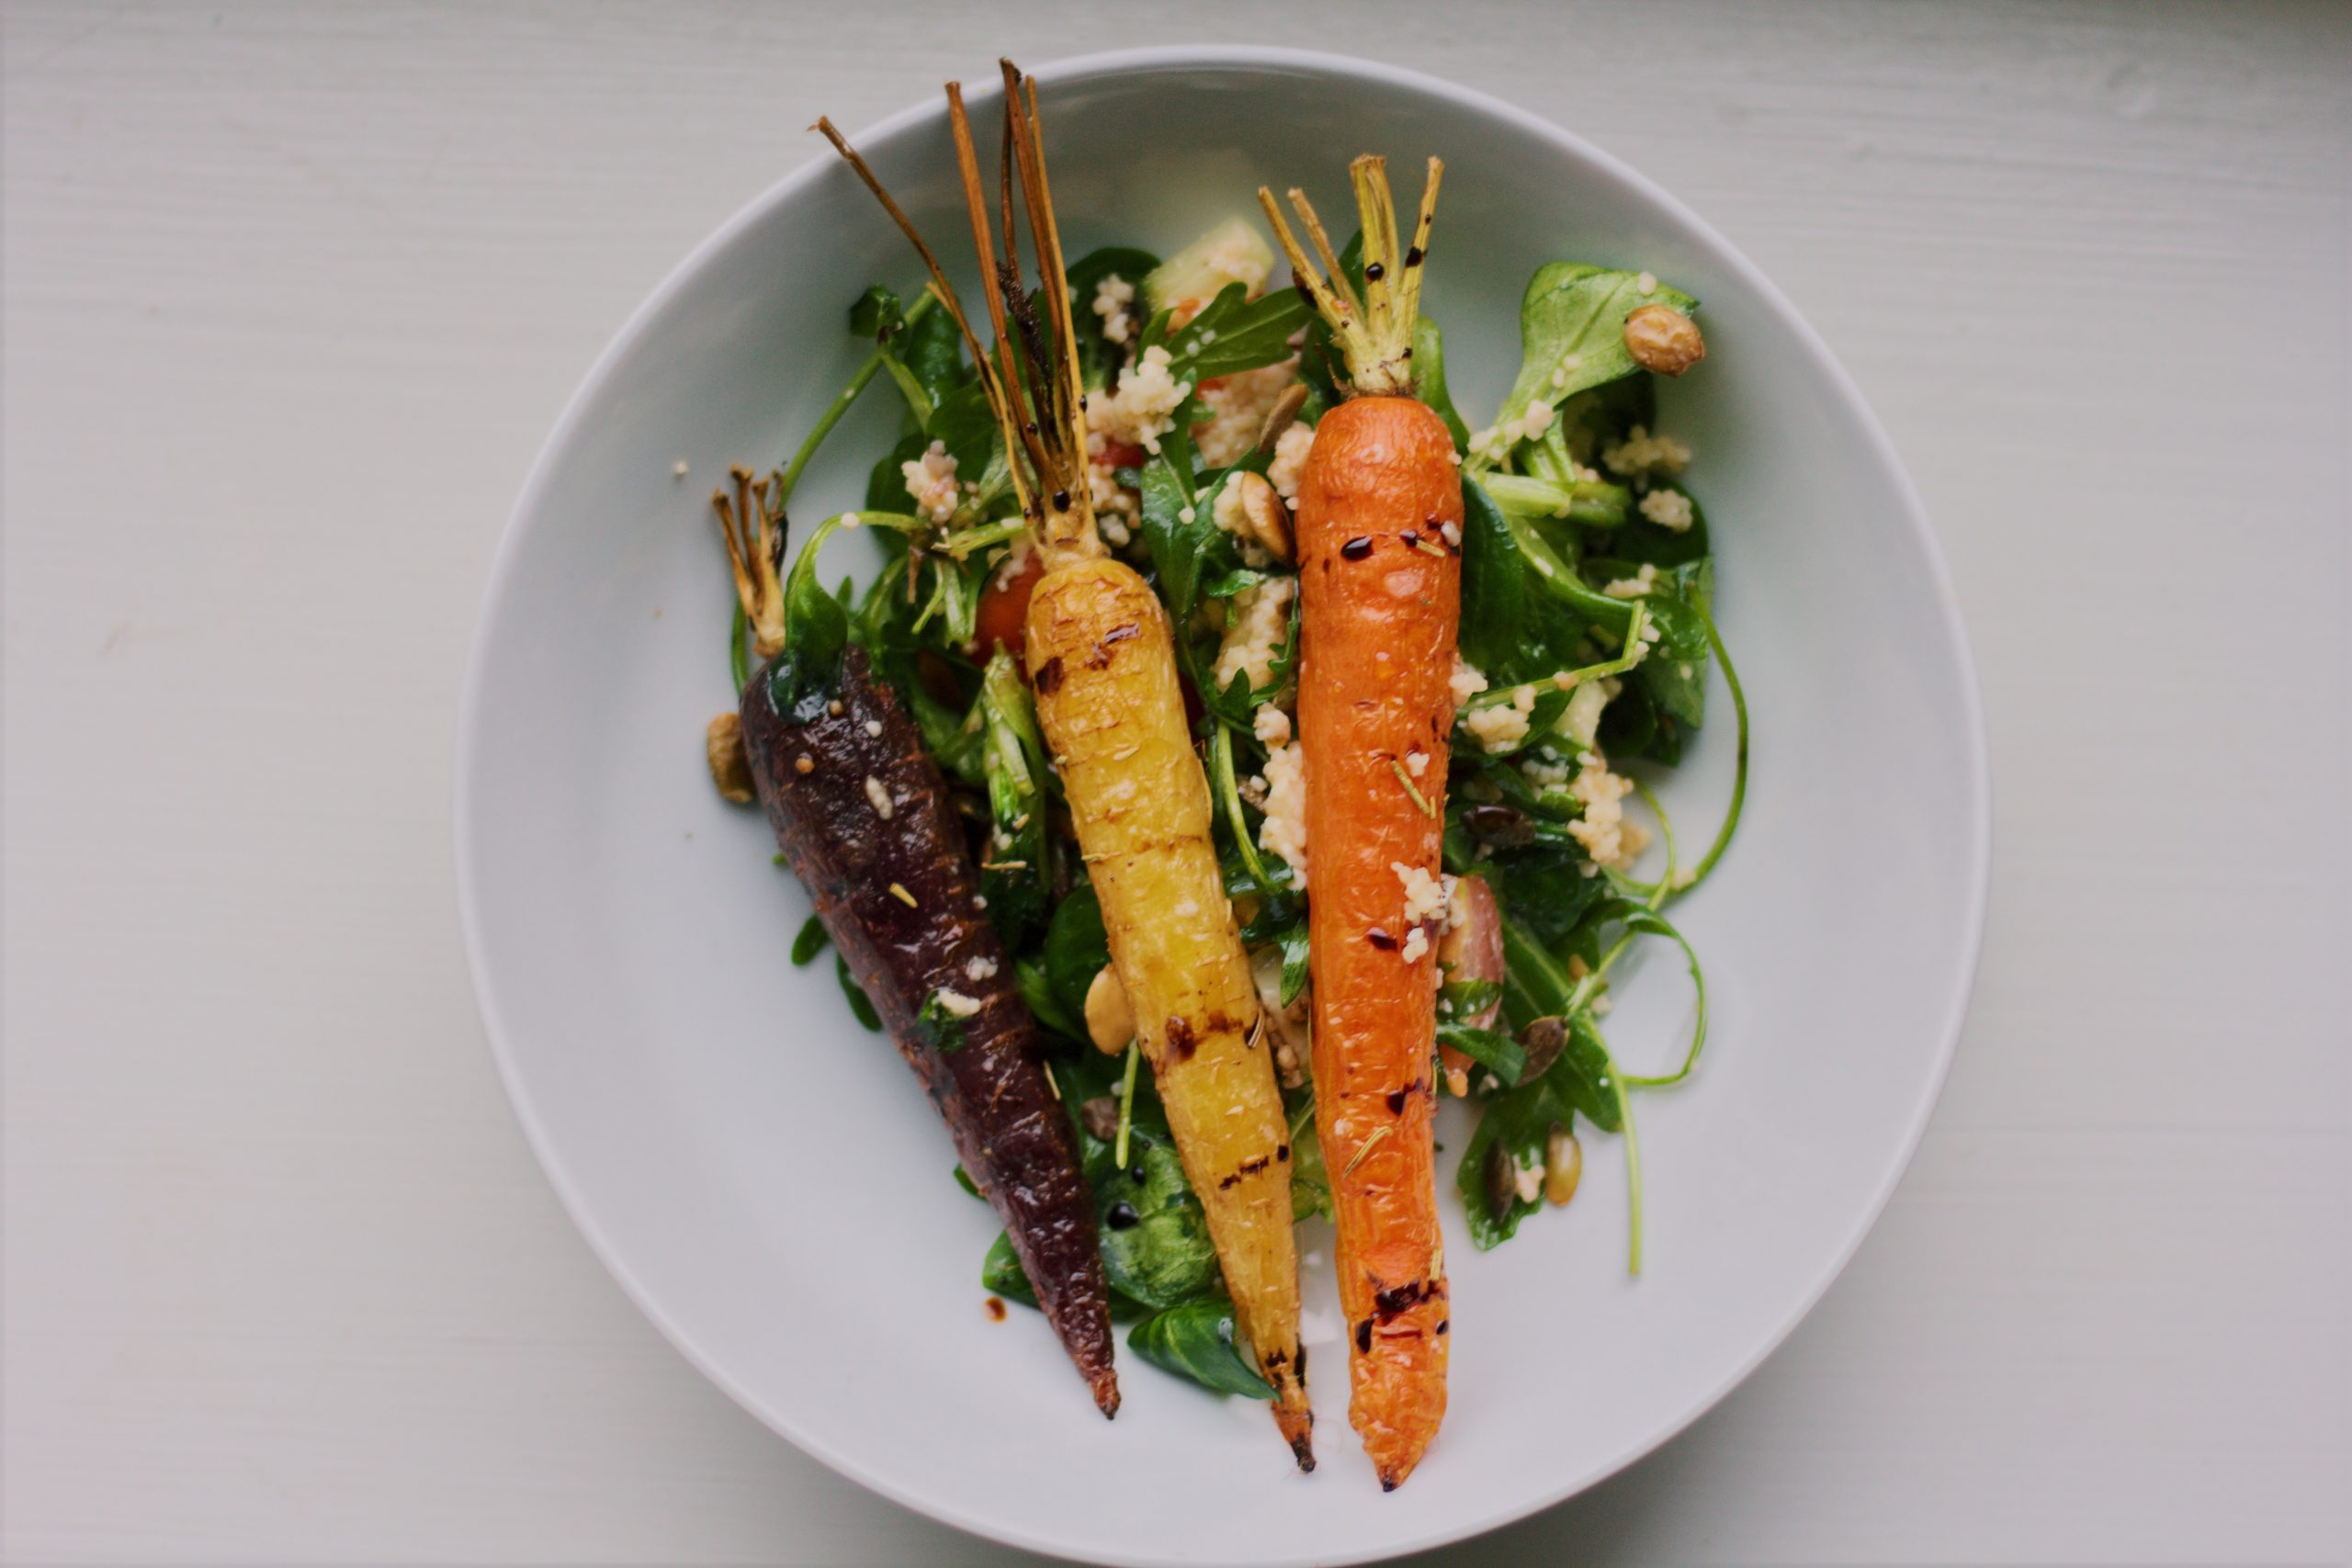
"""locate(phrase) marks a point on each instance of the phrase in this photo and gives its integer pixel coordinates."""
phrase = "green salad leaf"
(1571, 333)
(1196, 1341)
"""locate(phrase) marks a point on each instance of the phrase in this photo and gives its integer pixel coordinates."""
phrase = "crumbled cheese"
(1467, 682)
(979, 969)
(1647, 283)
(1640, 583)
(1185, 515)
(678, 470)
(874, 728)
(931, 481)
(1115, 530)
(1641, 453)
(1140, 410)
(1416, 943)
(1271, 726)
(1450, 532)
(955, 1004)
(1257, 625)
(1425, 895)
(1668, 508)
(1111, 298)
(1416, 761)
(1289, 464)
(880, 797)
(1284, 832)
(1233, 520)
(1236, 406)
(1606, 834)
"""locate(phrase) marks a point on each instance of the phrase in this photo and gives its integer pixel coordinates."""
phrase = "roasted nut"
(1280, 417)
(1563, 1166)
(1543, 1041)
(1110, 1021)
(731, 768)
(1100, 1117)
(1663, 339)
(1265, 520)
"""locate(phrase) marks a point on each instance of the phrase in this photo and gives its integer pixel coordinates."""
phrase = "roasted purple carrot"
(863, 815)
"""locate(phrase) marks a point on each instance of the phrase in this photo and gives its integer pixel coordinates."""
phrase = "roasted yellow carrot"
(1101, 662)
(1379, 535)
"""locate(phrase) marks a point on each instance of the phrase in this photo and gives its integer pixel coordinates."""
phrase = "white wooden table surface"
(292, 294)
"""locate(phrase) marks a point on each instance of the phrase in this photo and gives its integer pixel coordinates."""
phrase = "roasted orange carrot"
(1101, 659)
(1379, 535)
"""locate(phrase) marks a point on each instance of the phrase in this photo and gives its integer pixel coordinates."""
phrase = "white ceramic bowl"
(765, 1179)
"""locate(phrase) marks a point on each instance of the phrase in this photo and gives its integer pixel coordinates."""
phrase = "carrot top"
(1033, 378)
(1373, 327)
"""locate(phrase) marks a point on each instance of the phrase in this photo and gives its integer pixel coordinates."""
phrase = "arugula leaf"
(1192, 558)
(1232, 333)
(1494, 581)
(1499, 1053)
(1001, 1275)
(1571, 333)
(933, 353)
(1294, 959)
(1183, 551)
(1675, 671)
(877, 314)
(1195, 1341)
(1155, 1235)
(1097, 355)
(1642, 541)
(1014, 872)
(1075, 949)
(1579, 1083)
(885, 482)
(1519, 1121)
(1429, 379)
(963, 423)
(1462, 999)
(1037, 993)
(859, 1004)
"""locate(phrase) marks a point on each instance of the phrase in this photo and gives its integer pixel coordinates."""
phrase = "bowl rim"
(1144, 61)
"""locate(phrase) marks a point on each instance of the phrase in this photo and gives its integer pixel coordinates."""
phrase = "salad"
(1235, 753)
